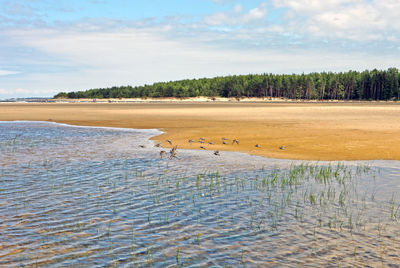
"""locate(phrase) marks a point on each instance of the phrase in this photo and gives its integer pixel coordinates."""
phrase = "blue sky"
(66, 45)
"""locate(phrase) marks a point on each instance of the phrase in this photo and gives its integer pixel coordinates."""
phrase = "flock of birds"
(173, 151)
(202, 141)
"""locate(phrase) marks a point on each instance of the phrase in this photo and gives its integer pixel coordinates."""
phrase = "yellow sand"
(314, 131)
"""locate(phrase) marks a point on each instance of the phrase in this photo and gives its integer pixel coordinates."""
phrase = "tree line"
(351, 85)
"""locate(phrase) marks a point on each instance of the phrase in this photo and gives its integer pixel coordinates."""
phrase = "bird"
(162, 153)
(211, 143)
(216, 152)
(157, 145)
(173, 151)
(169, 141)
(141, 146)
(224, 142)
(201, 141)
(235, 141)
(202, 147)
(190, 141)
(258, 146)
(282, 147)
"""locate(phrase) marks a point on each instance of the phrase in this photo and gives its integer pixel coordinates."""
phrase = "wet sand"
(309, 131)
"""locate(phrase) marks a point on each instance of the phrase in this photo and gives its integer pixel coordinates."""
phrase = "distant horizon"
(49, 47)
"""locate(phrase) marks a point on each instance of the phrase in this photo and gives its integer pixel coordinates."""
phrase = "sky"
(49, 46)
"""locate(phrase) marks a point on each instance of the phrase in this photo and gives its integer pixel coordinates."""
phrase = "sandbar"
(307, 131)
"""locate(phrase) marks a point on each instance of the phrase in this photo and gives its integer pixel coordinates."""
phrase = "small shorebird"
(216, 152)
(190, 141)
(141, 146)
(162, 153)
(169, 141)
(224, 142)
(173, 151)
(202, 147)
(235, 141)
(282, 147)
(157, 145)
(258, 146)
(210, 143)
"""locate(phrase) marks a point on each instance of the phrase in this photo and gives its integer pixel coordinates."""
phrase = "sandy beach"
(309, 131)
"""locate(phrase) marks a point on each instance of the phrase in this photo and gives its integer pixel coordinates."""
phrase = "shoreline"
(374, 162)
(197, 100)
(319, 132)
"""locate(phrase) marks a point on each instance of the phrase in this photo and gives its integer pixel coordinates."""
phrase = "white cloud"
(255, 13)
(6, 72)
(220, 18)
(4, 91)
(23, 92)
(358, 20)
(15, 92)
(237, 17)
(312, 6)
(238, 8)
(221, 1)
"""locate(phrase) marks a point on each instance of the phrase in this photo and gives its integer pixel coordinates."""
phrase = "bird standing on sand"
(235, 141)
(216, 152)
(190, 141)
(258, 146)
(169, 141)
(282, 147)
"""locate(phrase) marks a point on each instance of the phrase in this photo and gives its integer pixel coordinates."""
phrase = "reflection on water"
(76, 196)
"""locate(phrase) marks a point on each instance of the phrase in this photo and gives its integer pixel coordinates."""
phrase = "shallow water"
(80, 196)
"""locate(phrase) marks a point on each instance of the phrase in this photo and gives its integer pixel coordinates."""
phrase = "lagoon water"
(100, 197)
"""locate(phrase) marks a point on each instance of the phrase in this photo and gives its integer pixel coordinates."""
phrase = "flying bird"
(173, 151)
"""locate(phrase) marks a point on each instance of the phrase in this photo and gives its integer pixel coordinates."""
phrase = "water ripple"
(74, 196)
